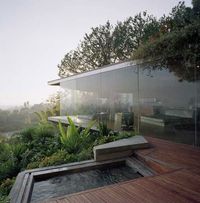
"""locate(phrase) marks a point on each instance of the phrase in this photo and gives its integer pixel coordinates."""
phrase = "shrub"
(85, 154)
(44, 141)
(4, 199)
(112, 137)
(33, 165)
(27, 135)
(7, 162)
(60, 157)
(8, 169)
(123, 135)
(6, 186)
(55, 159)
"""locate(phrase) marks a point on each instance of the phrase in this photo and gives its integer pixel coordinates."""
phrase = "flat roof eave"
(96, 71)
(54, 82)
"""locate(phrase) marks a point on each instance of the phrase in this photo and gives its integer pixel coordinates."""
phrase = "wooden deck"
(177, 179)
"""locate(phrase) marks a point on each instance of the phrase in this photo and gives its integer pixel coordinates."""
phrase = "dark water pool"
(76, 182)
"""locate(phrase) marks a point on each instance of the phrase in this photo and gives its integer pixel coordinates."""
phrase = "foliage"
(112, 137)
(73, 138)
(108, 44)
(177, 46)
(59, 157)
(43, 116)
(54, 103)
(103, 129)
(6, 186)
(123, 135)
(53, 108)
(172, 42)
(26, 115)
(33, 165)
(4, 199)
(21, 117)
(2, 138)
(85, 154)
(14, 120)
(7, 165)
(70, 137)
(44, 145)
(31, 145)
(40, 141)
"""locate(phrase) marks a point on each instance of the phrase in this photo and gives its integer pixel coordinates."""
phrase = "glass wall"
(68, 98)
(167, 106)
(152, 101)
(119, 92)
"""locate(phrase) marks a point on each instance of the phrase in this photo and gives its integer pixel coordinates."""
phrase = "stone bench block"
(119, 148)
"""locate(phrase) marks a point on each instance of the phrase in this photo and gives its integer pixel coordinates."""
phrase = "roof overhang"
(54, 82)
(96, 71)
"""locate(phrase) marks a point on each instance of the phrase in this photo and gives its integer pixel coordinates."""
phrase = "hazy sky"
(36, 34)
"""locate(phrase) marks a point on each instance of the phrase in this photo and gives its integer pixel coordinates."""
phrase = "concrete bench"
(119, 148)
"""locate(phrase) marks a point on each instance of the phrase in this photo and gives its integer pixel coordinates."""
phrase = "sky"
(36, 34)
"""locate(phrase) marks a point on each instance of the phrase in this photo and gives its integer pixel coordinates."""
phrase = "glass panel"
(197, 102)
(87, 94)
(68, 98)
(119, 93)
(167, 105)
(155, 102)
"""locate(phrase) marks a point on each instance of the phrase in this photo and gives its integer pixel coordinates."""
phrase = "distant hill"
(18, 117)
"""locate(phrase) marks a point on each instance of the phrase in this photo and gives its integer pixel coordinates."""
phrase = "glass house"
(153, 101)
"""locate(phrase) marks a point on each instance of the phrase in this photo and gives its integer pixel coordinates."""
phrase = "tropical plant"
(69, 137)
(40, 141)
(72, 137)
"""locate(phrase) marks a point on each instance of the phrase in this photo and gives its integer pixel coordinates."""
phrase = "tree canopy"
(172, 41)
(108, 44)
(177, 46)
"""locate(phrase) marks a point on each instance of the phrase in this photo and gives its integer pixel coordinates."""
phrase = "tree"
(128, 35)
(107, 44)
(94, 51)
(196, 7)
(177, 47)
(96, 48)
(54, 103)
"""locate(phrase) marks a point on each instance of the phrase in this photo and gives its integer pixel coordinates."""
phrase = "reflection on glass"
(153, 102)
(68, 98)
(167, 105)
